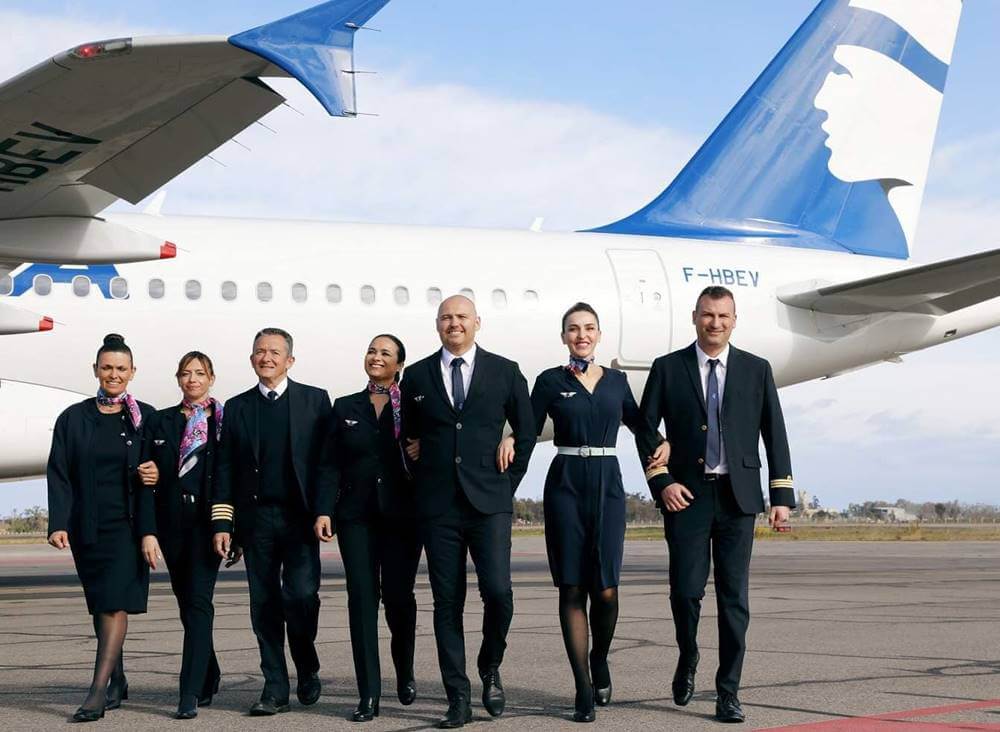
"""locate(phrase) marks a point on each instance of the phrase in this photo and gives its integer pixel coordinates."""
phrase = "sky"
(493, 113)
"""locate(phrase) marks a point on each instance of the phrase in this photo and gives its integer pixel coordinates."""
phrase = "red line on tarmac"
(902, 720)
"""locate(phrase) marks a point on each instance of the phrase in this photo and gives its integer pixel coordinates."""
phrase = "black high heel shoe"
(367, 710)
(117, 693)
(601, 675)
(187, 707)
(205, 700)
(407, 692)
(584, 711)
(88, 715)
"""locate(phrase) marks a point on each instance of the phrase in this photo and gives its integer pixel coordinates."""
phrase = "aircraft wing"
(932, 289)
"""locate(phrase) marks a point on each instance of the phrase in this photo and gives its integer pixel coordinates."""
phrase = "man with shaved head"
(456, 402)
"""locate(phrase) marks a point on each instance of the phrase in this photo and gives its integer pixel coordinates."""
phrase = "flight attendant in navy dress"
(585, 500)
(95, 480)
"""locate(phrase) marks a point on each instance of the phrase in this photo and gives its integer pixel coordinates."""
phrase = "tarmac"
(844, 636)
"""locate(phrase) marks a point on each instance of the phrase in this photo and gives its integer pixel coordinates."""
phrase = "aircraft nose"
(28, 413)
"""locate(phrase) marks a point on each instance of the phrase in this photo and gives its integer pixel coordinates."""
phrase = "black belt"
(712, 477)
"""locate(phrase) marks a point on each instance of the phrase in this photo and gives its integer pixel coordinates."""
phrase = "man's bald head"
(457, 323)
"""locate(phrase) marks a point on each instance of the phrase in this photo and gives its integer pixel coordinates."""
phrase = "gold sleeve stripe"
(781, 483)
(222, 512)
(653, 472)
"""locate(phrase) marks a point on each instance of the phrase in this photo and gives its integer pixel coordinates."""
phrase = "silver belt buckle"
(585, 451)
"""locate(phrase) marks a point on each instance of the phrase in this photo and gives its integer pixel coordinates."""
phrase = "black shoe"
(308, 689)
(407, 692)
(493, 697)
(268, 706)
(584, 711)
(458, 715)
(88, 715)
(601, 675)
(187, 707)
(728, 709)
(210, 690)
(683, 683)
(367, 710)
(117, 693)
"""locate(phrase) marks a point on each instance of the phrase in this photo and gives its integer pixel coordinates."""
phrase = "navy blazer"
(237, 470)
(750, 411)
(458, 448)
(362, 475)
(72, 483)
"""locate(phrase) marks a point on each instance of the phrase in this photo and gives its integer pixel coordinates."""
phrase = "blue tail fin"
(829, 149)
(316, 46)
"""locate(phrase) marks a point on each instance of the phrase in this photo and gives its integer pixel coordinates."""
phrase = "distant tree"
(30, 521)
(814, 503)
(939, 510)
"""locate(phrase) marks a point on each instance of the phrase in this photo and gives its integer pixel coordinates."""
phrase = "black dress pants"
(448, 540)
(380, 560)
(282, 560)
(712, 529)
(194, 566)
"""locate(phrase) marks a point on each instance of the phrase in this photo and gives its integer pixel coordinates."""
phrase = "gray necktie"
(272, 395)
(713, 450)
(457, 383)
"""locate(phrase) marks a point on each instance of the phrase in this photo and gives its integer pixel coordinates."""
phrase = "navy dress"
(584, 497)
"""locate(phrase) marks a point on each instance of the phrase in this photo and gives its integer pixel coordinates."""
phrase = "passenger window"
(119, 288)
(42, 284)
(368, 294)
(334, 294)
(264, 291)
(228, 290)
(468, 293)
(401, 295)
(81, 286)
(300, 293)
(156, 288)
(433, 296)
(192, 289)
(499, 299)
(6, 284)
(530, 296)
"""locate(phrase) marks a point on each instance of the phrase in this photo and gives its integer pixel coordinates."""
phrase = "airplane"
(803, 201)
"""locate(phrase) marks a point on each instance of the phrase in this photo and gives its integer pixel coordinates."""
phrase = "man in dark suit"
(456, 402)
(270, 447)
(716, 402)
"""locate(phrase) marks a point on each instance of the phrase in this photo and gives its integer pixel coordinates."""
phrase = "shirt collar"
(469, 356)
(703, 357)
(279, 389)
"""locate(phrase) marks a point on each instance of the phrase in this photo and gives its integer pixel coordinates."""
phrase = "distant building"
(892, 514)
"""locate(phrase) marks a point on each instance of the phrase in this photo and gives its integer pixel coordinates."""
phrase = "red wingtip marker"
(46, 323)
(168, 250)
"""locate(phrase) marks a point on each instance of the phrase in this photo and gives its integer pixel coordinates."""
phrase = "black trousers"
(380, 560)
(193, 568)
(448, 540)
(711, 528)
(283, 570)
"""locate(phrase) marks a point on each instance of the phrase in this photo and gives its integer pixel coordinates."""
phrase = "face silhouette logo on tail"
(882, 111)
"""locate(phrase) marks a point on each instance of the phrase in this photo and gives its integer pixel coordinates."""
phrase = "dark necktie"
(457, 383)
(272, 395)
(713, 450)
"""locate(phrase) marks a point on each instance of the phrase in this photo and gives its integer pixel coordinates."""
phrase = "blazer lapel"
(691, 364)
(292, 394)
(364, 409)
(176, 426)
(733, 373)
(438, 378)
(479, 377)
(251, 410)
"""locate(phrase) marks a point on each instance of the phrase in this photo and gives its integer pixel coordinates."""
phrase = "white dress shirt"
(279, 389)
(470, 363)
(720, 374)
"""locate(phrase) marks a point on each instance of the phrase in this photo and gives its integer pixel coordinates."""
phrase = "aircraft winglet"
(316, 46)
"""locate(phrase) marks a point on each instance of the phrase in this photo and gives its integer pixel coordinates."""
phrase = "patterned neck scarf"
(579, 365)
(128, 401)
(196, 431)
(394, 399)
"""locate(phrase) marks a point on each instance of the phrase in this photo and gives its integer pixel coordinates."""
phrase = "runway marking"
(898, 720)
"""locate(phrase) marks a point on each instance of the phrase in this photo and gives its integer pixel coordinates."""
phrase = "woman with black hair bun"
(95, 477)
(364, 493)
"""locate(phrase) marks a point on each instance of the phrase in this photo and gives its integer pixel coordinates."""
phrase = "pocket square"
(158, 442)
(567, 394)
(350, 422)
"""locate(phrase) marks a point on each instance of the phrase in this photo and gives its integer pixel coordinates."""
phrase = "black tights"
(110, 629)
(576, 635)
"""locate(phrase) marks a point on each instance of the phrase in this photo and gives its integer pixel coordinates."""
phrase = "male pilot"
(271, 440)
(456, 402)
(716, 402)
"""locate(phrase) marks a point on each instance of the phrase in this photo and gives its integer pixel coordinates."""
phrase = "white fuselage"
(390, 278)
